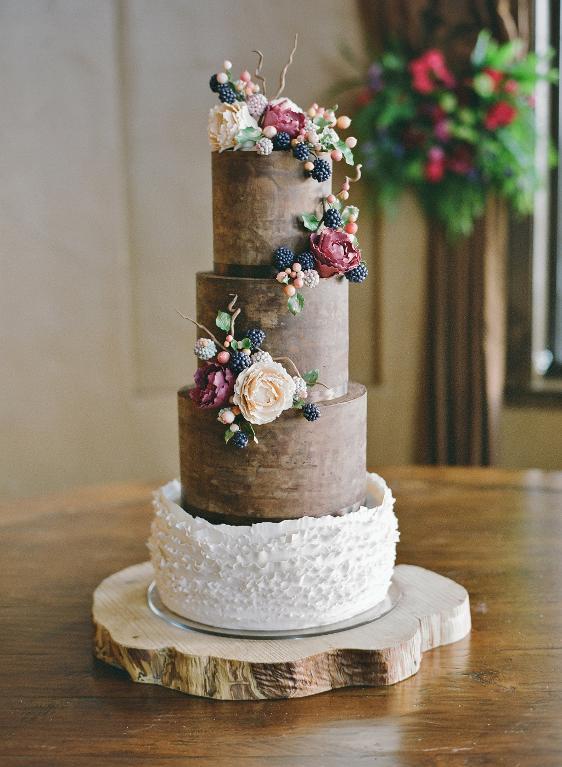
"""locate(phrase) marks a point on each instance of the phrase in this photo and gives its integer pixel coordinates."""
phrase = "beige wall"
(105, 217)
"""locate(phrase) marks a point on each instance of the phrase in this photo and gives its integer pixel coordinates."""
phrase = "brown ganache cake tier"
(257, 202)
(297, 469)
(316, 339)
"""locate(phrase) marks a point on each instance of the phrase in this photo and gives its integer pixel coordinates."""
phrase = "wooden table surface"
(495, 698)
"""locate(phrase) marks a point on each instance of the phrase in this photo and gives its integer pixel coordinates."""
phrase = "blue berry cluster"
(283, 258)
(256, 337)
(281, 141)
(311, 412)
(332, 218)
(301, 152)
(239, 440)
(321, 170)
(239, 361)
(359, 274)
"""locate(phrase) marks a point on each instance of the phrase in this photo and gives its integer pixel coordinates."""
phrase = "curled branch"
(190, 319)
(357, 175)
(233, 320)
(286, 67)
(231, 304)
(257, 73)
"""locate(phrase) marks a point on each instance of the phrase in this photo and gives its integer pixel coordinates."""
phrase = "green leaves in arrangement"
(311, 377)
(310, 221)
(298, 404)
(248, 429)
(295, 303)
(228, 436)
(223, 321)
(248, 136)
(349, 210)
(245, 343)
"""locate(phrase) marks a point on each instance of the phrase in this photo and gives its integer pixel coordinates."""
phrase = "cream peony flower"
(263, 391)
(225, 123)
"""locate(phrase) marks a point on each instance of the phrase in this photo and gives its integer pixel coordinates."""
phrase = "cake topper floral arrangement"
(246, 119)
(244, 382)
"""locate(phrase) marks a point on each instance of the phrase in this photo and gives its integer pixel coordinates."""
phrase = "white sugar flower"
(263, 391)
(225, 123)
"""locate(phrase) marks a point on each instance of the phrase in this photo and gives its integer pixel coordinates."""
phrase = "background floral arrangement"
(452, 139)
(244, 382)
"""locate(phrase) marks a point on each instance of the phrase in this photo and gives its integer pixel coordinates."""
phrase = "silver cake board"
(425, 610)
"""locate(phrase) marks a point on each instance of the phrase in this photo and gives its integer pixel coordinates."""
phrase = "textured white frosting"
(285, 575)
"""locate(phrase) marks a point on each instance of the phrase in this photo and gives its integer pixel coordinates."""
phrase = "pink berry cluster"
(292, 278)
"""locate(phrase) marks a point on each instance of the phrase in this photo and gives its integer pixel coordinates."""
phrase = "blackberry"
(311, 412)
(301, 152)
(281, 141)
(226, 94)
(240, 440)
(214, 84)
(332, 219)
(239, 362)
(283, 258)
(256, 336)
(306, 260)
(359, 274)
(321, 170)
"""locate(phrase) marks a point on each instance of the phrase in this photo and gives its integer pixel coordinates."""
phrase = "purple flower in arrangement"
(374, 77)
(214, 385)
(442, 130)
(334, 252)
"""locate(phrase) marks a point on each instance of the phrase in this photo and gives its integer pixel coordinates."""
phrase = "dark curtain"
(463, 366)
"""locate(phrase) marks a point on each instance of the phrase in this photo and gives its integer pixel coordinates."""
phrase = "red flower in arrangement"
(334, 252)
(461, 160)
(430, 71)
(496, 76)
(214, 384)
(281, 116)
(499, 114)
(435, 167)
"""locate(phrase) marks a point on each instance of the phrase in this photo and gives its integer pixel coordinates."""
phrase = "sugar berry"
(238, 362)
(332, 218)
(239, 440)
(321, 170)
(301, 152)
(359, 274)
(306, 260)
(226, 94)
(281, 141)
(283, 258)
(256, 336)
(311, 412)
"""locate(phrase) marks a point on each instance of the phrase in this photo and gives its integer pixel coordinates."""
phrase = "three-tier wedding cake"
(276, 524)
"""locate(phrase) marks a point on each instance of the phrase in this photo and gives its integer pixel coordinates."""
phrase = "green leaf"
(248, 429)
(311, 377)
(479, 53)
(310, 221)
(298, 404)
(248, 135)
(228, 436)
(295, 303)
(321, 122)
(349, 210)
(245, 343)
(223, 321)
(234, 345)
(346, 151)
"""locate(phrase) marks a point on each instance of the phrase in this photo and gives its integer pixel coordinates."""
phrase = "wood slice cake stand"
(432, 611)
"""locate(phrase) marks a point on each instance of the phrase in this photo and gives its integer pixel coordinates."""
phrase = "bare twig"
(257, 73)
(233, 320)
(286, 67)
(230, 307)
(288, 359)
(189, 319)
(504, 12)
(357, 175)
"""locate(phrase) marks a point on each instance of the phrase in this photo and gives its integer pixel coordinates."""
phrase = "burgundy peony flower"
(281, 116)
(499, 114)
(430, 71)
(214, 384)
(334, 252)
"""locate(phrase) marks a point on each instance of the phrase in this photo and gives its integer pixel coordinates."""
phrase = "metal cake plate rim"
(380, 610)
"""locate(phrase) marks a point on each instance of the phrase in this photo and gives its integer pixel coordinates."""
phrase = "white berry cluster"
(261, 356)
(205, 349)
(301, 390)
(310, 278)
(256, 105)
(264, 146)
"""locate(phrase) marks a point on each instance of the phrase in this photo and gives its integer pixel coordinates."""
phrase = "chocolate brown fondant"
(297, 469)
(316, 339)
(257, 202)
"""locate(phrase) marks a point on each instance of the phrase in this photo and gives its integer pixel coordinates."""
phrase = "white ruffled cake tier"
(295, 574)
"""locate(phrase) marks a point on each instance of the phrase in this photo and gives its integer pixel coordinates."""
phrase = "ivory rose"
(263, 391)
(225, 123)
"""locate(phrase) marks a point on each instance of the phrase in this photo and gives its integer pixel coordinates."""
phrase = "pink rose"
(282, 117)
(214, 384)
(334, 252)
